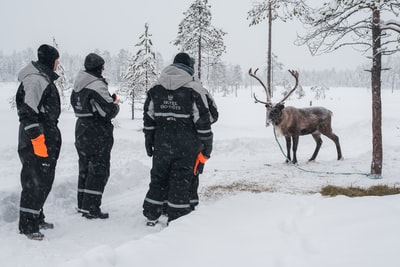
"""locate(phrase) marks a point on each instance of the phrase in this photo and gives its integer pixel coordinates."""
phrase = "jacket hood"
(173, 77)
(37, 68)
(28, 70)
(83, 79)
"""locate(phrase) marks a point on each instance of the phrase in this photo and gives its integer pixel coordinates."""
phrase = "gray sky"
(81, 26)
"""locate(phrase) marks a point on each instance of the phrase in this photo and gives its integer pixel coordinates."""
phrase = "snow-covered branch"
(391, 25)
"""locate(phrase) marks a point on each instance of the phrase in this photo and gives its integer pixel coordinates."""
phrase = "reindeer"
(292, 122)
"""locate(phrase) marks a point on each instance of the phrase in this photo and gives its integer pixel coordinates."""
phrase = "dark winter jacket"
(94, 108)
(91, 99)
(38, 105)
(176, 115)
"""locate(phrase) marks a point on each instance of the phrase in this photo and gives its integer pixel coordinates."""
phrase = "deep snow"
(290, 224)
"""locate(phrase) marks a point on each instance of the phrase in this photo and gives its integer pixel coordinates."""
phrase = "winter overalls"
(176, 123)
(38, 105)
(94, 108)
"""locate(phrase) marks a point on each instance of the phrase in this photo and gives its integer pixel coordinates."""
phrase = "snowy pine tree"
(63, 86)
(141, 72)
(319, 91)
(300, 92)
(198, 37)
(159, 61)
(217, 80)
(121, 64)
(235, 76)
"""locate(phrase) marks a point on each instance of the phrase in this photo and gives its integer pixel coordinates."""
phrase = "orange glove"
(199, 164)
(39, 146)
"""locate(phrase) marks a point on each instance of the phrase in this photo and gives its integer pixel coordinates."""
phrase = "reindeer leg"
(335, 139)
(288, 146)
(318, 141)
(295, 143)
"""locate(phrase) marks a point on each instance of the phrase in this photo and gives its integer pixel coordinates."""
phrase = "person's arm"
(149, 124)
(29, 98)
(201, 117)
(103, 102)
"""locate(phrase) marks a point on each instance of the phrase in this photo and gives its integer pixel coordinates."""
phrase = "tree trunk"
(269, 60)
(133, 107)
(376, 165)
(147, 81)
(199, 59)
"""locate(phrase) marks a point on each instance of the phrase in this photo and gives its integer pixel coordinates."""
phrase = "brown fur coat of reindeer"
(293, 122)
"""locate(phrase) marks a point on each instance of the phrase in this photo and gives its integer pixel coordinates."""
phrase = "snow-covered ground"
(288, 224)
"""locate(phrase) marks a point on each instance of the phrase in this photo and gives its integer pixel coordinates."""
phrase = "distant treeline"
(117, 64)
(10, 65)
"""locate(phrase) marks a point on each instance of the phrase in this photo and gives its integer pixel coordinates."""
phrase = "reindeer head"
(274, 111)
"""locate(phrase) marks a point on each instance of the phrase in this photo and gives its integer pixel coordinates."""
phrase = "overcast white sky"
(81, 26)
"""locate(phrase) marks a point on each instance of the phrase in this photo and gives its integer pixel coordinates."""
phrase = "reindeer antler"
(253, 74)
(295, 74)
(259, 101)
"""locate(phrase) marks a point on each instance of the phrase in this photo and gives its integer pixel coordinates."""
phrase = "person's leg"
(83, 148)
(47, 175)
(158, 187)
(180, 186)
(37, 177)
(83, 172)
(194, 196)
(96, 180)
(94, 187)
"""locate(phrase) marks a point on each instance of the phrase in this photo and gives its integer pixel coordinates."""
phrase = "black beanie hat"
(184, 59)
(93, 62)
(47, 55)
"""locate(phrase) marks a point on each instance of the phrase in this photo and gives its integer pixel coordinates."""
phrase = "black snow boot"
(151, 222)
(95, 215)
(45, 225)
(38, 236)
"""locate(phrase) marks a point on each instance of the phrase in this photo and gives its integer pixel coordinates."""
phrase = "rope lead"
(321, 172)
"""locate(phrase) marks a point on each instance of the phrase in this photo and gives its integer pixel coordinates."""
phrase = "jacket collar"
(46, 70)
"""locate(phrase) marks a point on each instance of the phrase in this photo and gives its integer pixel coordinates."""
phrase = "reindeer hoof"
(341, 158)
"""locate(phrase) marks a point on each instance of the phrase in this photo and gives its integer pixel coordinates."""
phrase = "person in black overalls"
(39, 142)
(177, 132)
(95, 108)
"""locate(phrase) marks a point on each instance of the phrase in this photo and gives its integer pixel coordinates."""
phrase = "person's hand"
(115, 97)
(39, 146)
(149, 146)
(199, 164)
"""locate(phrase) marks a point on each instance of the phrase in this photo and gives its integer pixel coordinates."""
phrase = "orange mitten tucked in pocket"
(39, 146)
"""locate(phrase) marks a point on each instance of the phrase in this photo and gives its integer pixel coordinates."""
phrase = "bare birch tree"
(359, 24)
(271, 10)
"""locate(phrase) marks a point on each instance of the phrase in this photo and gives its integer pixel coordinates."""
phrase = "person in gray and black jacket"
(94, 107)
(178, 136)
(39, 142)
